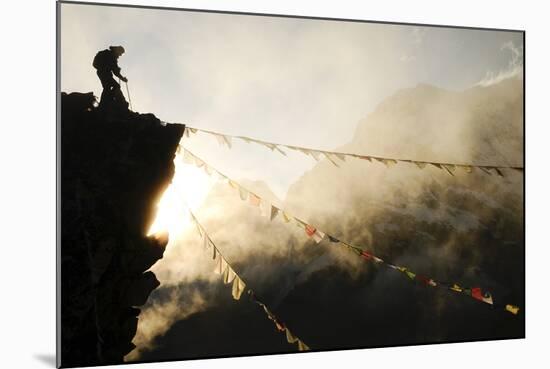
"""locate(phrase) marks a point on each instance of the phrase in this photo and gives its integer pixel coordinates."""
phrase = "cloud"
(514, 69)
(449, 228)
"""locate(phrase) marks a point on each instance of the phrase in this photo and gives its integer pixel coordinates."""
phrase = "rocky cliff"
(113, 172)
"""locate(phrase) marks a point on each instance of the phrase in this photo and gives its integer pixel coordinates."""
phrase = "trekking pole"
(129, 98)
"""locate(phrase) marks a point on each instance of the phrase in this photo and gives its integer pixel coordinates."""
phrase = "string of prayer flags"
(279, 325)
(229, 276)
(267, 210)
(449, 168)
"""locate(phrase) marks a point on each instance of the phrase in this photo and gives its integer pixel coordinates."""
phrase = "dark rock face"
(113, 172)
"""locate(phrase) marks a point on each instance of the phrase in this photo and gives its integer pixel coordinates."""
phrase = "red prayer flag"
(476, 293)
(423, 279)
(366, 255)
(310, 230)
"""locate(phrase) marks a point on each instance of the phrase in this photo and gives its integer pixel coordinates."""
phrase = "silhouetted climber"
(106, 63)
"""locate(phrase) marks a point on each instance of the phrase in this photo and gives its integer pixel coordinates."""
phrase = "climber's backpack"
(102, 60)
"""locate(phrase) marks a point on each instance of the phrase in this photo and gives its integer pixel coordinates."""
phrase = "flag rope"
(271, 211)
(225, 139)
(230, 276)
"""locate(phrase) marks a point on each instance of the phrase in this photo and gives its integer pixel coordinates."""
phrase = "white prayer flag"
(318, 236)
(243, 193)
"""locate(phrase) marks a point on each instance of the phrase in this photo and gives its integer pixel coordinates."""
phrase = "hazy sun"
(189, 187)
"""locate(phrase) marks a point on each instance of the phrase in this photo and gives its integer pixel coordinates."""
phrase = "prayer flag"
(456, 288)
(318, 236)
(314, 154)
(238, 288)
(366, 255)
(467, 168)
(254, 200)
(229, 275)
(286, 217)
(513, 309)
(479, 295)
(198, 162)
(340, 156)
(411, 275)
(329, 157)
(425, 280)
(333, 239)
(476, 293)
(299, 223)
(243, 193)
(302, 346)
(221, 266)
(273, 213)
(188, 158)
(485, 170)
(488, 298)
(450, 168)
(290, 338)
(310, 230)
(420, 164)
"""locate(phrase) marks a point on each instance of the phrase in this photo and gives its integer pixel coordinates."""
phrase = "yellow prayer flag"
(290, 338)
(229, 275)
(302, 346)
(467, 168)
(456, 288)
(513, 309)
(450, 168)
(420, 164)
(238, 288)
(286, 217)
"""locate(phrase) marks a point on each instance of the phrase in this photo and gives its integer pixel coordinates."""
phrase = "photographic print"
(240, 184)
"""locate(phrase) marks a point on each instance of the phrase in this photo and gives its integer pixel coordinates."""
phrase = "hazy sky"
(296, 81)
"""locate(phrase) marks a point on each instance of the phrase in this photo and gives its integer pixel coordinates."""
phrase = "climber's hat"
(119, 50)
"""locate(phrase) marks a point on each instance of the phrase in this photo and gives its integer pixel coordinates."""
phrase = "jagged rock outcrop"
(113, 172)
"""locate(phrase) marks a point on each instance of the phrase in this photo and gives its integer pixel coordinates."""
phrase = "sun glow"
(189, 187)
